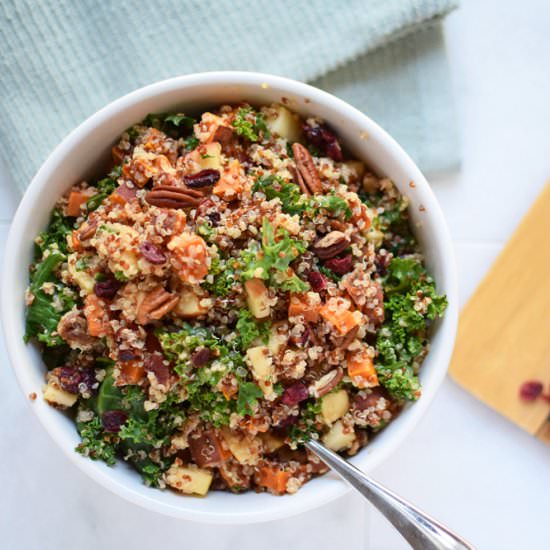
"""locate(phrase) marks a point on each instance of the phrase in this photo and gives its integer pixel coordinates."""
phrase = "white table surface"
(464, 463)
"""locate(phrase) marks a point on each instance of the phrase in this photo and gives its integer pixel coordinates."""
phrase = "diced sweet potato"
(273, 478)
(96, 316)
(336, 311)
(131, 373)
(75, 201)
(361, 369)
(230, 184)
(189, 257)
(304, 304)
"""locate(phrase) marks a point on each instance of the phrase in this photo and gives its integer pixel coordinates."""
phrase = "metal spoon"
(420, 530)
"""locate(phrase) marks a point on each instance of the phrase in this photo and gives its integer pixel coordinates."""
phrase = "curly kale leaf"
(104, 188)
(249, 329)
(272, 261)
(248, 396)
(47, 308)
(250, 124)
(294, 202)
(172, 124)
(55, 236)
(411, 303)
(96, 443)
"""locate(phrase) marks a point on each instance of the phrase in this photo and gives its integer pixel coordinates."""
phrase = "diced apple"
(206, 156)
(190, 305)
(271, 442)
(339, 438)
(83, 279)
(261, 366)
(188, 479)
(357, 167)
(58, 397)
(375, 237)
(334, 405)
(284, 123)
(245, 448)
(257, 298)
(277, 340)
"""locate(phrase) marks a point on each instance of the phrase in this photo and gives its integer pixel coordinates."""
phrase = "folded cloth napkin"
(62, 60)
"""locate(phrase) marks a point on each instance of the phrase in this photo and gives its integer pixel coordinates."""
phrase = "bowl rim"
(13, 333)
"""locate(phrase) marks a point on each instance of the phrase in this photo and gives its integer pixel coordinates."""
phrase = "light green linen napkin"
(61, 60)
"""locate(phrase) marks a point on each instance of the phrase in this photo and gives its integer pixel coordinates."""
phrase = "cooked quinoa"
(235, 286)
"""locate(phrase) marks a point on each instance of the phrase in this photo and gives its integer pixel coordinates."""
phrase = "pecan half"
(326, 383)
(306, 169)
(86, 230)
(167, 196)
(299, 180)
(156, 305)
(73, 328)
(330, 245)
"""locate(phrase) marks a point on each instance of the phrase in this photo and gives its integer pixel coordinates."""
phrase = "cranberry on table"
(530, 390)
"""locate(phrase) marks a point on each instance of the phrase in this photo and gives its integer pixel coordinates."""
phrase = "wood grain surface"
(504, 330)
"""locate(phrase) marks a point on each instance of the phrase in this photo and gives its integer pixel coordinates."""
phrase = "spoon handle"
(420, 531)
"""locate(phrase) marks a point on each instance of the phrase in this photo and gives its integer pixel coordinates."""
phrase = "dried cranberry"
(73, 379)
(126, 355)
(317, 281)
(113, 420)
(288, 421)
(152, 253)
(295, 393)
(201, 357)
(107, 288)
(530, 390)
(204, 178)
(155, 363)
(152, 343)
(361, 403)
(214, 218)
(382, 261)
(323, 138)
(340, 266)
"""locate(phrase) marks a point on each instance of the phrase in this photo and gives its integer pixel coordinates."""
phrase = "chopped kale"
(96, 443)
(278, 251)
(306, 427)
(294, 202)
(249, 329)
(47, 308)
(250, 124)
(104, 188)
(174, 125)
(248, 396)
(411, 302)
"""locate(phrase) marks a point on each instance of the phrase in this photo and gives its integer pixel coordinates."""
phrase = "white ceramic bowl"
(82, 154)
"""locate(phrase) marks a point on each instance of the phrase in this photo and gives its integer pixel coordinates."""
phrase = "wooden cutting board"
(504, 330)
